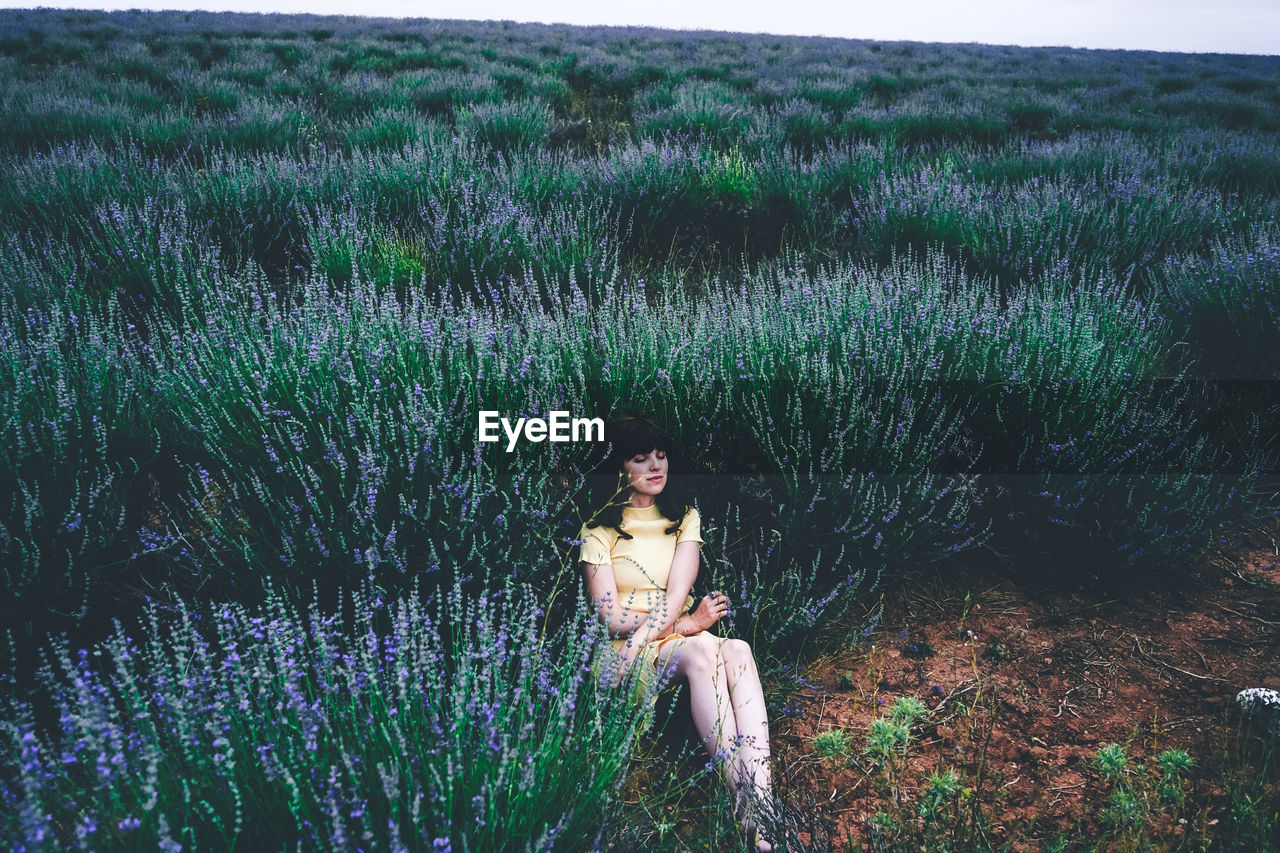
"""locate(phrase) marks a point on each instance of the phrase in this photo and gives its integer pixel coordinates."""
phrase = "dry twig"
(1157, 660)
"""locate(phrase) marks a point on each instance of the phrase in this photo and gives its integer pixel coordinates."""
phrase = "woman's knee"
(737, 655)
(696, 654)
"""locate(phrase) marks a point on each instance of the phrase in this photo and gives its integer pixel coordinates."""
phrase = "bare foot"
(751, 827)
(758, 841)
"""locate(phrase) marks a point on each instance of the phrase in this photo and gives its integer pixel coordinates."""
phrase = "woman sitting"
(639, 557)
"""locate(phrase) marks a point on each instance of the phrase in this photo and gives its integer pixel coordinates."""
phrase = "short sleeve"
(594, 550)
(691, 528)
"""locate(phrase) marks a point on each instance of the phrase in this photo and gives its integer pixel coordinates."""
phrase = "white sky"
(1225, 26)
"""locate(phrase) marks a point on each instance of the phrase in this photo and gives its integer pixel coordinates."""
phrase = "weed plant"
(1250, 774)
(1137, 794)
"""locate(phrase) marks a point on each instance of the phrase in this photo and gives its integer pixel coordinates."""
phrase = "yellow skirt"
(644, 671)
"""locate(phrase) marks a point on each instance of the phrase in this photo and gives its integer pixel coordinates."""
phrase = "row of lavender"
(442, 216)
(172, 80)
(868, 418)
(462, 723)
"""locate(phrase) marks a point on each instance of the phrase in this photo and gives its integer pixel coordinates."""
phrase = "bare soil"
(1024, 684)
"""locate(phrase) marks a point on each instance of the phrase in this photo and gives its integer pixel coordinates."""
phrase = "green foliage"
(882, 89)
(468, 238)
(886, 737)
(1138, 794)
(803, 126)
(215, 99)
(1249, 775)
(283, 727)
(141, 71)
(831, 745)
(289, 55)
(941, 811)
(74, 440)
(506, 126)
(385, 130)
(1227, 306)
(941, 817)
(907, 711)
(1031, 118)
(206, 53)
(441, 93)
(836, 94)
(1112, 761)
(707, 112)
(889, 737)
(376, 59)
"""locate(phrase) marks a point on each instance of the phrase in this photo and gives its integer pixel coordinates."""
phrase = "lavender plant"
(506, 126)
(73, 439)
(332, 443)
(861, 405)
(1227, 305)
(407, 723)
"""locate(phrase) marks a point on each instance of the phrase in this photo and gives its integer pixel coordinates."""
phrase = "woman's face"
(647, 473)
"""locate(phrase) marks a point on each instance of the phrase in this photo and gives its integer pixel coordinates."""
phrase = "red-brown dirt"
(1025, 684)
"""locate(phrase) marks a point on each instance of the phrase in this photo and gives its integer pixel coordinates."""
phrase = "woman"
(640, 558)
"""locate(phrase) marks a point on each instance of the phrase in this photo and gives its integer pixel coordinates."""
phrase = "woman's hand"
(710, 610)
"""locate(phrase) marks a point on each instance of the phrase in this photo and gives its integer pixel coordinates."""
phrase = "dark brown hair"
(628, 436)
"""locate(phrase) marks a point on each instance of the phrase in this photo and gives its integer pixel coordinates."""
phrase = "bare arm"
(668, 618)
(684, 571)
(603, 589)
(640, 625)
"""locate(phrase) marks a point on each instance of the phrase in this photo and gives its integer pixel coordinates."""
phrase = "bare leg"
(697, 661)
(747, 698)
(727, 703)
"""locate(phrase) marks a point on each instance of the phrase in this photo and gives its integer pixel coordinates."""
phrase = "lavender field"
(900, 304)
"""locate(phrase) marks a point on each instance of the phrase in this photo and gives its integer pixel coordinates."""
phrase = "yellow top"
(642, 563)
(641, 567)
